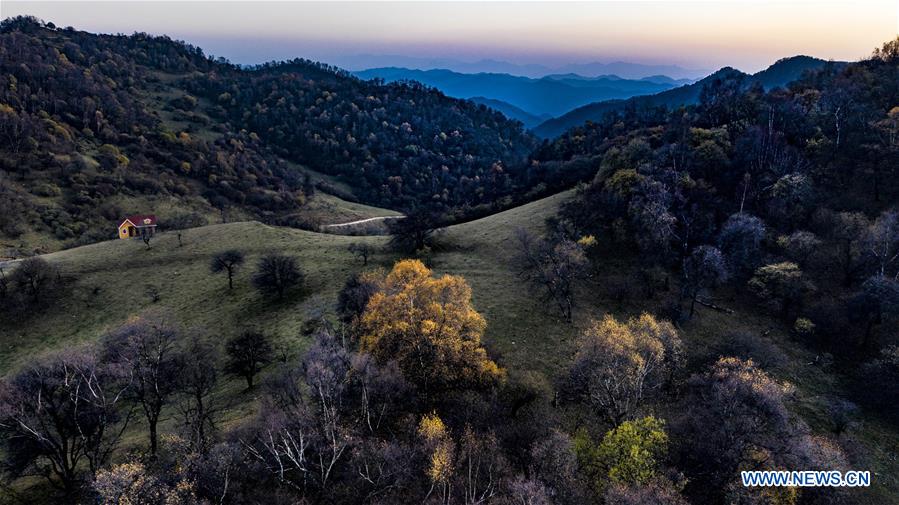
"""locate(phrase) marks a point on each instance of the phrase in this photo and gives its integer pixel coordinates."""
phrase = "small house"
(137, 226)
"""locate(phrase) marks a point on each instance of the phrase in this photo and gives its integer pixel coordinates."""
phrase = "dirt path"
(361, 221)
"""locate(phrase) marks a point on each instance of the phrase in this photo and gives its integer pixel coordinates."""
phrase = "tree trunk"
(154, 436)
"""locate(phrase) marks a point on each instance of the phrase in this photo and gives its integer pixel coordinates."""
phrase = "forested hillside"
(95, 125)
(778, 74)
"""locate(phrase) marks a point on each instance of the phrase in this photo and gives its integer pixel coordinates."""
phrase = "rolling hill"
(779, 74)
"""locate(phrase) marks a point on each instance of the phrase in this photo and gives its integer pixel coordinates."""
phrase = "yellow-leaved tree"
(429, 327)
(619, 362)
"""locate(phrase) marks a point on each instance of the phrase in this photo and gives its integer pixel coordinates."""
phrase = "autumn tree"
(439, 451)
(247, 354)
(705, 268)
(618, 363)
(228, 261)
(429, 327)
(780, 286)
(146, 348)
(802, 247)
(276, 274)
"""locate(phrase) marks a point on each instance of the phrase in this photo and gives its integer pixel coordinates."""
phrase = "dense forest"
(774, 205)
(87, 117)
(400, 144)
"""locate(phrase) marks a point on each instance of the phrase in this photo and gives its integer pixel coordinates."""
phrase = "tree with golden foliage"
(440, 448)
(618, 363)
(429, 327)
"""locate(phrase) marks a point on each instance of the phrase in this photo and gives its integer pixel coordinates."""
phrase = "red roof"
(141, 220)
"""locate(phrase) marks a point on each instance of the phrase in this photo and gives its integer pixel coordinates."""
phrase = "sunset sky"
(748, 35)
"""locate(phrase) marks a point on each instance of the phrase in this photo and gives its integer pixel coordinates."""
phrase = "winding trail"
(361, 221)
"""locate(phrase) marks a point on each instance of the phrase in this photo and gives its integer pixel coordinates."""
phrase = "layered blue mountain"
(777, 75)
(622, 69)
(551, 95)
(512, 112)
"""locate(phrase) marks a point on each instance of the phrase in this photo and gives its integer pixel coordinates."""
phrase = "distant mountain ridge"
(780, 73)
(535, 71)
(512, 112)
(553, 95)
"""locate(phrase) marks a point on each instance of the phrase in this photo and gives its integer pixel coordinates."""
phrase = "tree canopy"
(429, 327)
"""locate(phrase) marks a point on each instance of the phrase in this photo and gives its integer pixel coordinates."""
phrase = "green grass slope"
(110, 282)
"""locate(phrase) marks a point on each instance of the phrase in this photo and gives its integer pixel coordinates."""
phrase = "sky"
(699, 35)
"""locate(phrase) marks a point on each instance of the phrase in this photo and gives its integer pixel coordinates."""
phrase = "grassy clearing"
(111, 279)
(524, 333)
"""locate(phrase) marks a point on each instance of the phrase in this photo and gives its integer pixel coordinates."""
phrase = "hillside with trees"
(777, 75)
(95, 125)
(721, 295)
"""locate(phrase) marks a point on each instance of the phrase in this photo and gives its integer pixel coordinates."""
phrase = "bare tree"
(555, 266)
(276, 274)
(356, 292)
(703, 269)
(735, 410)
(380, 390)
(883, 241)
(362, 251)
(740, 240)
(34, 278)
(247, 354)
(303, 434)
(146, 350)
(847, 231)
(196, 379)
(313, 416)
(227, 261)
(146, 236)
(59, 414)
(4, 286)
(413, 232)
